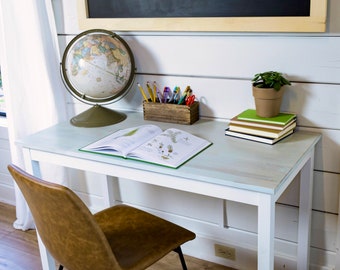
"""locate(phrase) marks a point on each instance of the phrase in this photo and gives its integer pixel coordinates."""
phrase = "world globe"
(98, 68)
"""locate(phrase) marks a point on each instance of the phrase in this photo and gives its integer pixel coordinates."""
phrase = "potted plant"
(268, 92)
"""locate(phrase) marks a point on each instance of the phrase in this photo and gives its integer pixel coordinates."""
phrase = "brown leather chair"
(120, 237)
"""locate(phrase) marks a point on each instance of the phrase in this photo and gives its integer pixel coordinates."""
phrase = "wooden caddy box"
(171, 113)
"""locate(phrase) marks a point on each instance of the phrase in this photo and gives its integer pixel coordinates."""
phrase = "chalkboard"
(196, 8)
(204, 15)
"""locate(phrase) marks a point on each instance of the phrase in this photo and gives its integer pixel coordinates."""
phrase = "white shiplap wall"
(219, 68)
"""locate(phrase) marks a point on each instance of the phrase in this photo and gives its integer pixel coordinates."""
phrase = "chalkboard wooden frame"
(315, 22)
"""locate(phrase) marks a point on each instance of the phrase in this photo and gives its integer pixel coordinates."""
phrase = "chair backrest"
(65, 225)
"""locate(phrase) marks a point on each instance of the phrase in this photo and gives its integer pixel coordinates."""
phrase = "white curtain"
(33, 88)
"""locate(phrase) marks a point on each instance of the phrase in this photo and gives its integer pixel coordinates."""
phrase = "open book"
(149, 143)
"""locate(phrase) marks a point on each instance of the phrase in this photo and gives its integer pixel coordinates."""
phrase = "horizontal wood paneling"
(323, 234)
(173, 202)
(327, 157)
(326, 192)
(234, 57)
(315, 104)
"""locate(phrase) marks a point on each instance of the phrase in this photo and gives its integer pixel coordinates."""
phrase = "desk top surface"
(229, 161)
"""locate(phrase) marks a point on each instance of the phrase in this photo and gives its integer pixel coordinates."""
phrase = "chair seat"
(137, 238)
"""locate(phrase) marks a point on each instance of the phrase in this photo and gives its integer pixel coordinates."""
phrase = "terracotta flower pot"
(267, 101)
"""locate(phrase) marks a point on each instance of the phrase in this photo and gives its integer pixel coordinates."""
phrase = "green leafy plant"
(270, 79)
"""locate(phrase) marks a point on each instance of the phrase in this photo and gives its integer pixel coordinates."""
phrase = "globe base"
(97, 116)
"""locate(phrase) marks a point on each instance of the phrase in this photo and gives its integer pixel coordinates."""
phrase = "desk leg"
(266, 228)
(305, 214)
(47, 261)
(111, 191)
(32, 167)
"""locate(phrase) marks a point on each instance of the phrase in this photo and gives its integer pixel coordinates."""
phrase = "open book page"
(171, 148)
(124, 141)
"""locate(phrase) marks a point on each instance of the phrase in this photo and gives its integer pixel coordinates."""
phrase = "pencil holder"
(171, 113)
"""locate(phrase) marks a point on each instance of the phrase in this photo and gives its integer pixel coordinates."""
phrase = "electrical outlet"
(225, 252)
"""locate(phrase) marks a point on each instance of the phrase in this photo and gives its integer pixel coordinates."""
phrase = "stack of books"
(247, 125)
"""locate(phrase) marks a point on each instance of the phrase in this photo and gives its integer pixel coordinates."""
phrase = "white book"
(257, 138)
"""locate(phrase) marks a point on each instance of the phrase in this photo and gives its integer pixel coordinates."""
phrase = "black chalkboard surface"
(196, 8)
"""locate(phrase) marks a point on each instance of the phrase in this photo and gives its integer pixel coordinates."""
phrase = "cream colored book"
(148, 143)
(263, 132)
(236, 121)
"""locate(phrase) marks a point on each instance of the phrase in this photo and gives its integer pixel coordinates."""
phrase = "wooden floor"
(19, 250)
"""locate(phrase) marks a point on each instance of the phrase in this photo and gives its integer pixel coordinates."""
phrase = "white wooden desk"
(231, 169)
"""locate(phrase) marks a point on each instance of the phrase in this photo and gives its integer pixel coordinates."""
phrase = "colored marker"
(166, 93)
(185, 93)
(159, 95)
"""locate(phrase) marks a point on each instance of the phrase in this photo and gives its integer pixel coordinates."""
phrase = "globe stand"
(97, 116)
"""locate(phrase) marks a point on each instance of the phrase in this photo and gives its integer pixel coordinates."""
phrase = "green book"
(280, 119)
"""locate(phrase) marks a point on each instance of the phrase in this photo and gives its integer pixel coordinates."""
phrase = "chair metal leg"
(178, 250)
